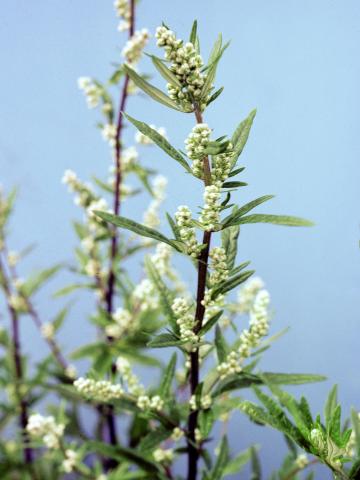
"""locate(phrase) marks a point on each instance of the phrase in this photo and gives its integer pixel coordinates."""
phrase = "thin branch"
(16, 347)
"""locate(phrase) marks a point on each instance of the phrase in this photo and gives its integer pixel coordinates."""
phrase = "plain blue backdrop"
(297, 62)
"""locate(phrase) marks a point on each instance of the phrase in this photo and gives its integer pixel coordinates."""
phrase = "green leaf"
(164, 294)
(59, 319)
(221, 461)
(193, 33)
(36, 281)
(334, 427)
(152, 439)
(292, 378)
(255, 464)
(206, 421)
(71, 288)
(330, 405)
(152, 91)
(236, 464)
(241, 136)
(165, 387)
(234, 184)
(283, 220)
(215, 95)
(135, 227)
(120, 453)
(215, 56)
(239, 212)
(210, 323)
(165, 340)
(231, 283)
(229, 241)
(220, 344)
(165, 72)
(160, 141)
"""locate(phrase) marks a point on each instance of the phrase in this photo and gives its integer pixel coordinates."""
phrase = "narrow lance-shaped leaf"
(330, 404)
(135, 227)
(241, 136)
(220, 344)
(37, 280)
(152, 91)
(229, 240)
(239, 212)
(283, 220)
(165, 72)
(221, 461)
(236, 464)
(164, 293)
(167, 379)
(160, 141)
(232, 283)
(165, 340)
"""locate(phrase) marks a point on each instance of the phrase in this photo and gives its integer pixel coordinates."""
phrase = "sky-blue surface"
(297, 62)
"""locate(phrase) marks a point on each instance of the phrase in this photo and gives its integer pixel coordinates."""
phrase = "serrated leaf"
(135, 227)
(159, 140)
(241, 136)
(152, 91)
(168, 376)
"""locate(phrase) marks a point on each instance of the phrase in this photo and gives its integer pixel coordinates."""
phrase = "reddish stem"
(193, 452)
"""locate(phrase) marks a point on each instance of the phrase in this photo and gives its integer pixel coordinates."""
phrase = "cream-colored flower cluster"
(185, 319)
(219, 268)
(70, 461)
(123, 323)
(151, 216)
(133, 384)
(186, 64)
(249, 338)
(45, 429)
(204, 403)
(247, 294)
(210, 213)
(122, 9)
(221, 166)
(134, 47)
(91, 91)
(183, 218)
(146, 295)
(100, 391)
(163, 455)
(196, 143)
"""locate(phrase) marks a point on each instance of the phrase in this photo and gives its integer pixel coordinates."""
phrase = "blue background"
(298, 63)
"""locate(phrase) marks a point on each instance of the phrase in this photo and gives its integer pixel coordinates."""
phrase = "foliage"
(175, 416)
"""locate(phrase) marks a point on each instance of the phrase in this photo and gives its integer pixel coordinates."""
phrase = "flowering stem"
(193, 453)
(16, 351)
(118, 175)
(54, 347)
(109, 415)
